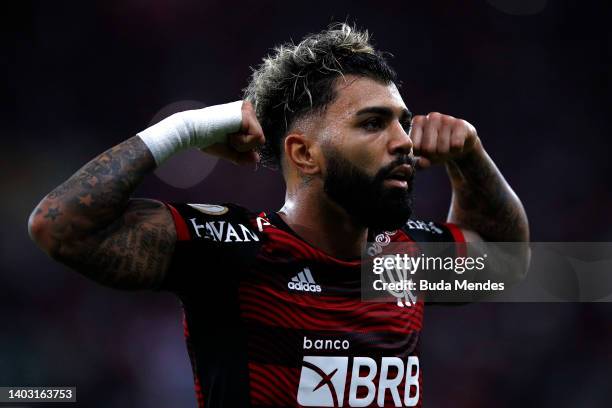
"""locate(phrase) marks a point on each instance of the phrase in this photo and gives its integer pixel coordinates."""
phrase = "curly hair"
(296, 80)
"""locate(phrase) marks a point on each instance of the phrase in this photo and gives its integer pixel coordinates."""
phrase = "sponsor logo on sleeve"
(223, 231)
(424, 226)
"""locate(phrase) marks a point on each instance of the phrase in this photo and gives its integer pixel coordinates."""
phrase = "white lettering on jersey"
(391, 384)
(221, 231)
(217, 232)
(261, 222)
(366, 381)
(326, 344)
(425, 226)
(232, 235)
(247, 232)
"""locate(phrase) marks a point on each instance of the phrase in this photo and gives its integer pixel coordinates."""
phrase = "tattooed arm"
(90, 223)
(483, 204)
(483, 201)
(486, 208)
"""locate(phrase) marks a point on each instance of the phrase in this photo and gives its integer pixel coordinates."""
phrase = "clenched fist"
(240, 147)
(438, 138)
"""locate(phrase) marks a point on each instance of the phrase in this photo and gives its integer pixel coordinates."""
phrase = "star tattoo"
(53, 213)
(86, 200)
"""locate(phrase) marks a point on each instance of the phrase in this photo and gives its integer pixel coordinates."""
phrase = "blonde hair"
(295, 80)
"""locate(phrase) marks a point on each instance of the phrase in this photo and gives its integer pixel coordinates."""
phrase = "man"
(273, 315)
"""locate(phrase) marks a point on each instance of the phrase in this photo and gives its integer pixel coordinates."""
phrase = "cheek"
(362, 150)
(368, 154)
(366, 159)
(332, 134)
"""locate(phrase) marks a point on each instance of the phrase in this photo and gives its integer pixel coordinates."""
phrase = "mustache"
(400, 160)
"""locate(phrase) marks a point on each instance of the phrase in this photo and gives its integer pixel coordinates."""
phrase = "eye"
(373, 124)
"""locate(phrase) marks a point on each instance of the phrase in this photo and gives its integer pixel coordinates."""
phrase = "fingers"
(416, 132)
(438, 138)
(245, 142)
(250, 124)
(425, 132)
(430, 135)
(241, 147)
(422, 163)
(444, 138)
(457, 137)
(251, 134)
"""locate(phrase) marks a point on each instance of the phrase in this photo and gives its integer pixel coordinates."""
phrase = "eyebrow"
(406, 115)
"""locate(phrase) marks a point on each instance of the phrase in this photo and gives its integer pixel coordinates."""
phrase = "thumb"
(422, 163)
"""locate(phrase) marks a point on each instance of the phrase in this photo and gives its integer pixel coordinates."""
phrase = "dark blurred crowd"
(533, 76)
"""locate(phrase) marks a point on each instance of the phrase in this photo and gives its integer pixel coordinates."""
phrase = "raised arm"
(483, 201)
(483, 204)
(91, 224)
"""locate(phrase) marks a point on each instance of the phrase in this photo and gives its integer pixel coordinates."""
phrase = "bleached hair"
(296, 80)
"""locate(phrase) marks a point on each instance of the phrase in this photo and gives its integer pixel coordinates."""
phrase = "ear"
(302, 153)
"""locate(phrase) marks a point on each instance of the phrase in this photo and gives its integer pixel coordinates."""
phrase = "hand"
(240, 146)
(439, 138)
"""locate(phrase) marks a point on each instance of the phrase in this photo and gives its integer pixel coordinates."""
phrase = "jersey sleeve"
(447, 240)
(214, 242)
(445, 237)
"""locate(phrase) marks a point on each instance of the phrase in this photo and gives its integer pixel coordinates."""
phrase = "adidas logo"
(304, 282)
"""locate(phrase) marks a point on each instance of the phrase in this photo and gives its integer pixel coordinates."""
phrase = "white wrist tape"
(193, 128)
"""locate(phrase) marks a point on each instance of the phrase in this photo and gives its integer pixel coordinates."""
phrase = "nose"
(399, 141)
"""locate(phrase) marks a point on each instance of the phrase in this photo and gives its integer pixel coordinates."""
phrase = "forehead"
(354, 93)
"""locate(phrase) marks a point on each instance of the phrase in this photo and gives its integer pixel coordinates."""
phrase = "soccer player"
(272, 305)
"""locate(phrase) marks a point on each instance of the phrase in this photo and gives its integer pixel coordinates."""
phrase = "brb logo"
(323, 381)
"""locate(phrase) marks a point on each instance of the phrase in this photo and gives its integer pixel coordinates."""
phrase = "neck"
(323, 224)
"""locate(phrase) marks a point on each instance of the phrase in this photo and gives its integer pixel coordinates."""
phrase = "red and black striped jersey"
(271, 321)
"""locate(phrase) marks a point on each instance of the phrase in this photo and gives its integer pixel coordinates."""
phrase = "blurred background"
(533, 76)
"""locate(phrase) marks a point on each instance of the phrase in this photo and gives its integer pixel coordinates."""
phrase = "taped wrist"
(194, 128)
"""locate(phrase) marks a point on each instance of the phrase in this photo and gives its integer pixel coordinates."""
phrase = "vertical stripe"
(459, 239)
(309, 275)
(302, 277)
(182, 232)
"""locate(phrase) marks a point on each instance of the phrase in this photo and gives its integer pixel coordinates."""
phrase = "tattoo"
(484, 202)
(133, 252)
(101, 232)
(305, 180)
(53, 213)
(86, 200)
(99, 192)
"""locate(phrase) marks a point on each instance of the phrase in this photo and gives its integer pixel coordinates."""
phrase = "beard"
(365, 198)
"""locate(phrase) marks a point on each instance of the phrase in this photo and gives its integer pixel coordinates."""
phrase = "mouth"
(401, 176)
